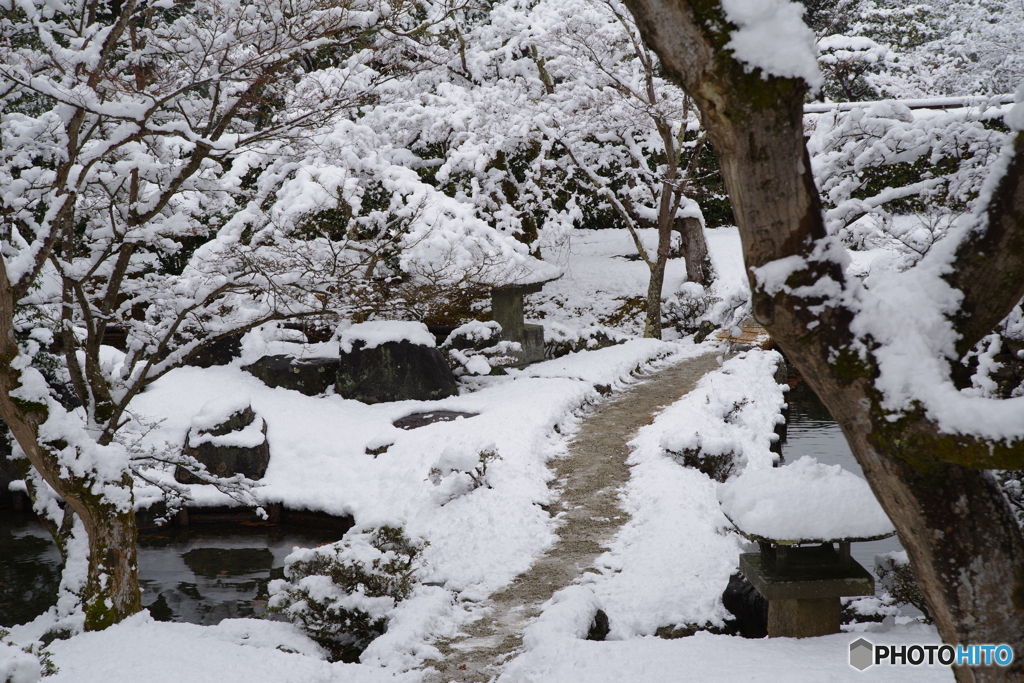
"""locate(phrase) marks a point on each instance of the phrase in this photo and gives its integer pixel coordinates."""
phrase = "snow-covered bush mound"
(805, 501)
(23, 665)
(343, 593)
(476, 347)
(728, 421)
(560, 340)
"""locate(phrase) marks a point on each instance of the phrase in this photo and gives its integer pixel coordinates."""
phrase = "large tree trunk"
(963, 541)
(112, 588)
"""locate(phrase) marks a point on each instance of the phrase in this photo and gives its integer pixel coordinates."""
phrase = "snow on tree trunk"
(695, 251)
(964, 544)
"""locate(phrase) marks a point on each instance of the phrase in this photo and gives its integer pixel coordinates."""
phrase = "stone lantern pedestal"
(507, 311)
(803, 585)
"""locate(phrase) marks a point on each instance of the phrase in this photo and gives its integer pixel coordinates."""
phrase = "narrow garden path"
(588, 480)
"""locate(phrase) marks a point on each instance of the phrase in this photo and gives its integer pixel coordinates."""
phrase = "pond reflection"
(199, 574)
(29, 568)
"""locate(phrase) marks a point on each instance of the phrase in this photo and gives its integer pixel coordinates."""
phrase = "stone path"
(588, 480)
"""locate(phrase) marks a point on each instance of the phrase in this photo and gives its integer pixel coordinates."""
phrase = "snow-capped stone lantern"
(804, 517)
(507, 311)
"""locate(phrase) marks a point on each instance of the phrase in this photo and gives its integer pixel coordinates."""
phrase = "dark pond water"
(812, 431)
(29, 568)
(199, 574)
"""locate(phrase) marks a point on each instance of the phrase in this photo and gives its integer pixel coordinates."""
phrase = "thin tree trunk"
(695, 251)
(652, 326)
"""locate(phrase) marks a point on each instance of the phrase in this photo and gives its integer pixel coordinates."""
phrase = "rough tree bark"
(695, 251)
(111, 592)
(964, 544)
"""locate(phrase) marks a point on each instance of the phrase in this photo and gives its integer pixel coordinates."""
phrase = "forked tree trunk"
(963, 541)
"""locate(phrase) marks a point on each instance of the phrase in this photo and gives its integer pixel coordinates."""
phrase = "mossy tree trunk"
(963, 541)
(111, 590)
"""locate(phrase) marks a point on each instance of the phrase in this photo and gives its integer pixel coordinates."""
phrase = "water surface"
(199, 574)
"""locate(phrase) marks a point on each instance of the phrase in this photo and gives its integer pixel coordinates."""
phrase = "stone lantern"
(804, 517)
(507, 311)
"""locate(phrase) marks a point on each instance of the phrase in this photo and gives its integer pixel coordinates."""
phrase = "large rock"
(234, 445)
(308, 376)
(220, 352)
(749, 608)
(394, 371)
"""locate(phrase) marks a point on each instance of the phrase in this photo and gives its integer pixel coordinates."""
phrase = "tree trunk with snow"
(695, 251)
(111, 590)
(652, 323)
(963, 541)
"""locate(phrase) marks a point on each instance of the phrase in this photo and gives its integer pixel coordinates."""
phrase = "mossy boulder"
(311, 376)
(394, 371)
(220, 352)
(237, 445)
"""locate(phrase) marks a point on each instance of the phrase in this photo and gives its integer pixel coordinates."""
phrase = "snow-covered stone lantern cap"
(528, 276)
(804, 502)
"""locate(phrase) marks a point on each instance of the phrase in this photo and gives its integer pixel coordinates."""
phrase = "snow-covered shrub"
(897, 578)
(342, 594)
(560, 340)
(685, 309)
(23, 664)
(868, 608)
(1012, 483)
(476, 347)
(460, 470)
(883, 160)
(718, 466)
(994, 368)
(728, 421)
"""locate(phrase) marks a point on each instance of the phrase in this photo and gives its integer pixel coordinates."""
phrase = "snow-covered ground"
(667, 567)
(602, 282)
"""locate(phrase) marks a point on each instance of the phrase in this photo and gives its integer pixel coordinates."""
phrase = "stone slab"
(810, 584)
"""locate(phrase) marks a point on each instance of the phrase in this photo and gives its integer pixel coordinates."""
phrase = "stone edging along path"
(588, 480)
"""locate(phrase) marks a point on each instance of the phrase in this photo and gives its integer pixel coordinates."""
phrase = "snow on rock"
(216, 412)
(249, 436)
(805, 501)
(378, 332)
(771, 35)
